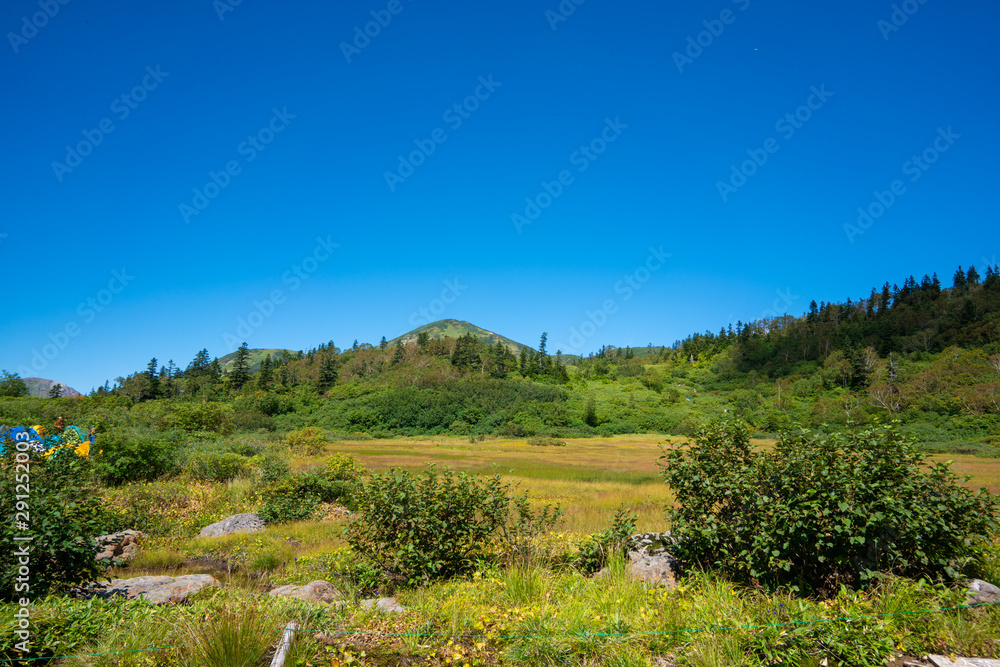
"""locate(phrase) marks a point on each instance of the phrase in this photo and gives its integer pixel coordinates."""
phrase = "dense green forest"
(922, 353)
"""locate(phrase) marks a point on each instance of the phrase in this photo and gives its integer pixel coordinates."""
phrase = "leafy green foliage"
(821, 510)
(62, 508)
(216, 466)
(12, 385)
(437, 525)
(596, 550)
(298, 497)
(135, 454)
(310, 440)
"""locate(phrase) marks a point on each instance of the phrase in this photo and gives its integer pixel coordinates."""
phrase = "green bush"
(821, 510)
(596, 550)
(436, 525)
(135, 455)
(61, 509)
(546, 442)
(216, 466)
(310, 440)
(297, 497)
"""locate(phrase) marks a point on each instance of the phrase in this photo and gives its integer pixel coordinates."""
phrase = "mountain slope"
(40, 387)
(456, 329)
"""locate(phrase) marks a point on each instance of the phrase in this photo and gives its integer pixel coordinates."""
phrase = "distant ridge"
(40, 387)
(456, 329)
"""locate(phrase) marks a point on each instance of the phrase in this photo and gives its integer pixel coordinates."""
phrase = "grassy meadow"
(534, 613)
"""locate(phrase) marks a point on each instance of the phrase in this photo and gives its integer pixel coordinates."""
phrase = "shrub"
(135, 454)
(421, 528)
(596, 550)
(546, 442)
(216, 466)
(821, 510)
(311, 440)
(61, 510)
(270, 466)
(297, 497)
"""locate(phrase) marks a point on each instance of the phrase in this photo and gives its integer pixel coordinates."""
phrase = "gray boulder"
(237, 523)
(121, 547)
(980, 592)
(315, 591)
(653, 569)
(160, 590)
(387, 605)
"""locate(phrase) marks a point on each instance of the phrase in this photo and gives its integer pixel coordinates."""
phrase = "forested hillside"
(923, 353)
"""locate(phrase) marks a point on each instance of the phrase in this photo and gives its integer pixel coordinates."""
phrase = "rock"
(121, 547)
(650, 559)
(388, 605)
(653, 569)
(160, 590)
(980, 592)
(946, 661)
(315, 591)
(237, 523)
(652, 543)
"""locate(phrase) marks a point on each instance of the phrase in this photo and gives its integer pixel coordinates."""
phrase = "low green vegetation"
(493, 487)
(821, 511)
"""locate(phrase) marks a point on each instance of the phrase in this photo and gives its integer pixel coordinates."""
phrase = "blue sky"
(170, 169)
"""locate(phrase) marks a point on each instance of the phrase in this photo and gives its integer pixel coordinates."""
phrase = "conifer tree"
(265, 373)
(398, 354)
(152, 373)
(240, 374)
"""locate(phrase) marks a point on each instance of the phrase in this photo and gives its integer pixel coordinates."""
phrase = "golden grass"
(590, 477)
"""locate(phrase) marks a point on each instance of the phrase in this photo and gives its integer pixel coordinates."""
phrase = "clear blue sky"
(309, 128)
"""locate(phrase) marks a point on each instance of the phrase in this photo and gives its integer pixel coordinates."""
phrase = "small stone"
(387, 605)
(238, 523)
(315, 591)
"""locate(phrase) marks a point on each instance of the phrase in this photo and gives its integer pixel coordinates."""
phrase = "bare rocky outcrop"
(118, 548)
